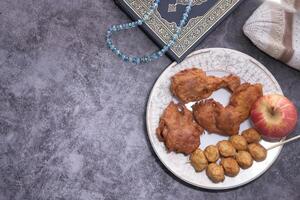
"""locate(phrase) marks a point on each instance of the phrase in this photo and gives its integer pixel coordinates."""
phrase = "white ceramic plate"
(218, 62)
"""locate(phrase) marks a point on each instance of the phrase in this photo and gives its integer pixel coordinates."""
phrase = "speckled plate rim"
(148, 123)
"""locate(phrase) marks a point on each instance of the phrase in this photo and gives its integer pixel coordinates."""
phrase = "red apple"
(274, 116)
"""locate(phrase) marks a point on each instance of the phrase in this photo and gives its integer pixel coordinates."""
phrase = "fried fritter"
(193, 84)
(215, 172)
(212, 153)
(244, 97)
(230, 166)
(257, 151)
(226, 149)
(178, 129)
(244, 159)
(198, 160)
(251, 135)
(214, 118)
(239, 142)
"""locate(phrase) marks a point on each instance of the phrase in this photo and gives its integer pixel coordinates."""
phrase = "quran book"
(204, 17)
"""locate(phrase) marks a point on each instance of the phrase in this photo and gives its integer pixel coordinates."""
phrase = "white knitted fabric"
(267, 26)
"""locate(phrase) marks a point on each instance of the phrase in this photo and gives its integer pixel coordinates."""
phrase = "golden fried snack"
(239, 142)
(243, 98)
(251, 135)
(198, 160)
(214, 118)
(212, 153)
(230, 166)
(226, 149)
(244, 159)
(215, 172)
(257, 151)
(178, 129)
(193, 84)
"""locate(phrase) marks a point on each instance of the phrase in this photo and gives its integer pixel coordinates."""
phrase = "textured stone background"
(72, 116)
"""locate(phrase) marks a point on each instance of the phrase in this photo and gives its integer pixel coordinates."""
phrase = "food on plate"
(198, 160)
(226, 149)
(244, 97)
(230, 166)
(178, 129)
(214, 118)
(251, 135)
(212, 153)
(257, 151)
(244, 159)
(239, 142)
(274, 116)
(215, 172)
(193, 84)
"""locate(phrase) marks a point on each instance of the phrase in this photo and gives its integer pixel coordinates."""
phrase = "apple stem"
(273, 110)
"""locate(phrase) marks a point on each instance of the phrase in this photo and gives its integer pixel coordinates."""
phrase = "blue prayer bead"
(126, 59)
(140, 22)
(174, 37)
(135, 60)
(165, 49)
(153, 56)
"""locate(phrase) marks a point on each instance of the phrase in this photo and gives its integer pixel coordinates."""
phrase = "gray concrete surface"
(72, 116)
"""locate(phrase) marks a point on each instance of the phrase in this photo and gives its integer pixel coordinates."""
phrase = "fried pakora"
(257, 151)
(243, 97)
(239, 142)
(251, 135)
(215, 172)
(214, 118)
(230, 166)
(193, 84)
(226, 149)
(198, 160)
(212, 153)
(178, 129)
(244, 159)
